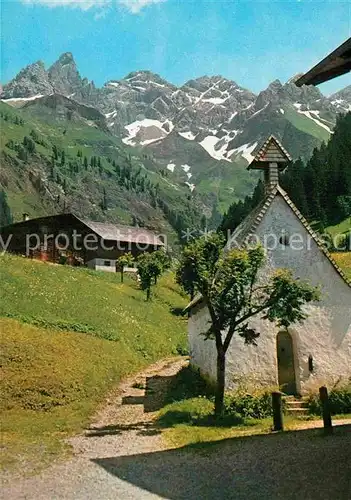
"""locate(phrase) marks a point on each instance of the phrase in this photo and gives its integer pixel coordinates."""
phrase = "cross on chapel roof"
(271, 151)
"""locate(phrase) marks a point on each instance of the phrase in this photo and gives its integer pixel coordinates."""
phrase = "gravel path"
(123, 427)
(122, 456)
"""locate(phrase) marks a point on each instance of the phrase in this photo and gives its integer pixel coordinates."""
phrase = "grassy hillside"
(55, 172)
(218, 183)
(305, 124)
(68, 335)
(341, 228)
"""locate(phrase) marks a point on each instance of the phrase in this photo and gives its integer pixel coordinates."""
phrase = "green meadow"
(68, 336)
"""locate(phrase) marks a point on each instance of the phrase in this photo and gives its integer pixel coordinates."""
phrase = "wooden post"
(327, 420)
(277, 407)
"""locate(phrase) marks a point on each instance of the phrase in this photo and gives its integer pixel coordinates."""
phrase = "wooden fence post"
(327, 420)
(277, 407)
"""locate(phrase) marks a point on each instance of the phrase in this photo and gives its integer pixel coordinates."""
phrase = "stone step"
(296, 398)
(297, 403)
(296, 406)
(296, 410)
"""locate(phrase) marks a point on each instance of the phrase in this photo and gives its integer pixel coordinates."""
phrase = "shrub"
(187, 384)
(182, 350)
(255, 405)
(339, 401)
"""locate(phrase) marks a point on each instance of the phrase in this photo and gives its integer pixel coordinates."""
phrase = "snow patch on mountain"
(215, 100)
(310, 114)
(259, 111)
(232, 116)
(171, 166)
(190, 186)
(209, 144)
(111, 115)
(245, 151)
(22, 99)
(146, 131)
(187, 135)
(341, 103)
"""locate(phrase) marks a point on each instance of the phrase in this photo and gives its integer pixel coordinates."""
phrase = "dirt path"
(122, 427)
(122, 456)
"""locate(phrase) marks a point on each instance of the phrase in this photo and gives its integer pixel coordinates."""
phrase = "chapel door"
(286, 366)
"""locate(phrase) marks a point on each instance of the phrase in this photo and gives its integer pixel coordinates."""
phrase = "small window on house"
(107, 262)
(284, 240)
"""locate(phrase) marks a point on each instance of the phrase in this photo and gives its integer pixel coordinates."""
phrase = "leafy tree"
(5, 212)
(103, 203)
(123, 261)
(149, 269)
(163, 259)
(11, 144)
(55, 152)
(34, 135)
(230, 288)
(63, 159)
(29, 144)
(22, 154)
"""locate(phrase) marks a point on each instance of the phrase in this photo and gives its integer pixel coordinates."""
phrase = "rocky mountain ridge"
(144, 108)
(202, 133)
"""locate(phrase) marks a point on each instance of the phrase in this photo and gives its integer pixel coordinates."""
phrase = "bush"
(256, 405)
(182, 350)
(187, 384)
(339, 400)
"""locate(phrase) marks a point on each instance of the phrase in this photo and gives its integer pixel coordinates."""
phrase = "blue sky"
(251, 42)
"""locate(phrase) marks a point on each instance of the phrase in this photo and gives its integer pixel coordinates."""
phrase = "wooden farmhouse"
(66, 238)
(308, 354)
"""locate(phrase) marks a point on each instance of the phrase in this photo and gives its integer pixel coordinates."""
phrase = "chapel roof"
(248, 226)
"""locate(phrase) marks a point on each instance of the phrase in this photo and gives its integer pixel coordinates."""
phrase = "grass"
(52, 382)
(305, 124)
(187, 417)
(68, 336)
(343, 259)
(79, 299)
(191, 422)
(28, 182)
(341, 228)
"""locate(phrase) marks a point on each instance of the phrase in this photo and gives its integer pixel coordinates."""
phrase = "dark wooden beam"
(335, 64)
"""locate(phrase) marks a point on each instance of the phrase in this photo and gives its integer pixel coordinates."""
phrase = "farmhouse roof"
(118, 232)
(337, 63)
(106, 231)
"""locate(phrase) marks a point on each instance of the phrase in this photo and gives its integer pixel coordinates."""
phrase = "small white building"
(308, 354)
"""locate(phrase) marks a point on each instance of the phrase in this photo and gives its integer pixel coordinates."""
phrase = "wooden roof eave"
(335, 64)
